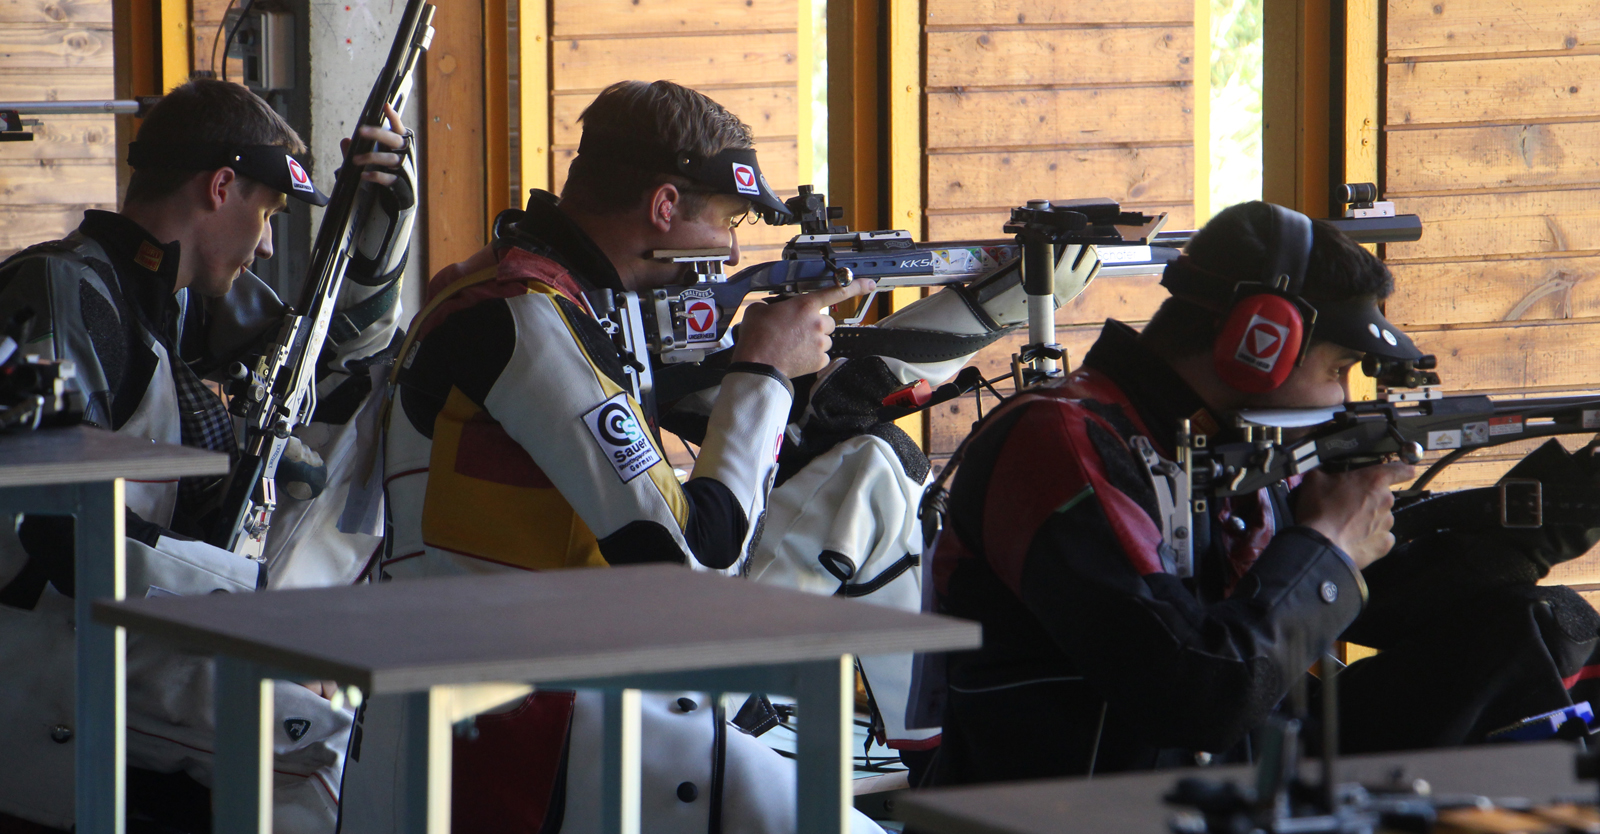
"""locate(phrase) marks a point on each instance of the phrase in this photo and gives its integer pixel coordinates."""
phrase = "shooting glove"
(301, 472)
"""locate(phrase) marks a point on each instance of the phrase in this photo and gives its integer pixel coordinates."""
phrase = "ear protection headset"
(1267, 324)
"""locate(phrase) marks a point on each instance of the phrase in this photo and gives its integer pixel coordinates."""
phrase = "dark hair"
(206, 110)
(1233, 247)
(659, 113)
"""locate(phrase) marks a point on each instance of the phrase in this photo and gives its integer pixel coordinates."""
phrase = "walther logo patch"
(624, 443)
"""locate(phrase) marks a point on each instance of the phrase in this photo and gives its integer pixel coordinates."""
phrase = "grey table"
(1132, 804)
(620, 630)
(79, 472)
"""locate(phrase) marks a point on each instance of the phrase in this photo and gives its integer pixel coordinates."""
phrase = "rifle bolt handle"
(843, 276)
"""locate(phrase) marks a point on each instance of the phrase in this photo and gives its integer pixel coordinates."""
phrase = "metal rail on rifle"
(279, 393)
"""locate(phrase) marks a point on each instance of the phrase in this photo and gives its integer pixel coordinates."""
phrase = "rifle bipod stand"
(1044, 229)
(1282, 801)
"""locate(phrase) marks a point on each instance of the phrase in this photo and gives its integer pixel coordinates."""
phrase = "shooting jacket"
(513, 442)
(103, 298)
(1094, 651)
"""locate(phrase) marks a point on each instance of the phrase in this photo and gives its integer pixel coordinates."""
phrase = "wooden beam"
(496, 113)
(1296, 104)
(135, 62)
(533, 29)
(453, 136)
(853, 117)
(1201, 110)
(176, 42)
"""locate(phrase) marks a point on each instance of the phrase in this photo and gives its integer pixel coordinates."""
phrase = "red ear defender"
(1259, 343)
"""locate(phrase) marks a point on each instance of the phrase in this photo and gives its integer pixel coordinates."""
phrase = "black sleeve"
(1190, 675)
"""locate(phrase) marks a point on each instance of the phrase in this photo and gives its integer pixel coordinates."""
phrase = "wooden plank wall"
(1056, 99)
(50, 50)
(742, 53)
(1493, 137)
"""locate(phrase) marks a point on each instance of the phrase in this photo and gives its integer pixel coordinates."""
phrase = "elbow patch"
(641, 542)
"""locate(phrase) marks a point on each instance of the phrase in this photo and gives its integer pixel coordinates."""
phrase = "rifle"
(687, 324)
(1410, 418)
(279, 393)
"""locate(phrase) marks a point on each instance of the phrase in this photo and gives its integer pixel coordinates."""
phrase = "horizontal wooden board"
(56, 85)
(694, 61)
(1056, 12)
(1472, 226)
(1126, 174)
(54, 11)
(1505, 156)
(1123, 297)
(1481, 291)
(31, 182)
(1066, 57)
(66, 137)
(48, 46)
(1473, 27)
(23, 226)
(1515, 355)
(1509, 90)
(988, 119)
(575, 18)
(769, 111)
(780, 163)
(984, 224)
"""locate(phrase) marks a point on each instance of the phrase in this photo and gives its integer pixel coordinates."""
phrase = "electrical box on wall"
(264, 41)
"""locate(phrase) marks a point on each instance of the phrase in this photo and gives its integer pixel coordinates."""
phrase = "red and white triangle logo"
(1262, 338)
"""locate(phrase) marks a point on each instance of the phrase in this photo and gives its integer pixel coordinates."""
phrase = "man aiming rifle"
(1099, 653)
(147, 302)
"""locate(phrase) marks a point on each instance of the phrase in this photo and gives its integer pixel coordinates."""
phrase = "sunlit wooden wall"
(1061, 99)
(1493, 136)
(55, 49)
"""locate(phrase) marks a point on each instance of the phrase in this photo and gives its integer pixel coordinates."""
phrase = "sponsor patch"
(297, 176)
(1262, 343)
(744, 179)
(622, 440)
(149, 256)
(1591, 419)
(296, 728)
(1124, 254)
(1444, 439)
(1474, 434)
(699, 316)
(1505, 425)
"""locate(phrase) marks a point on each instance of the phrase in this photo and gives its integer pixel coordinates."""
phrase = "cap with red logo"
(733, 171)
(269, 165)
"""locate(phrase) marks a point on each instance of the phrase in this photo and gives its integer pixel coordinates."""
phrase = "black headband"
(269, 165)
(733, 172)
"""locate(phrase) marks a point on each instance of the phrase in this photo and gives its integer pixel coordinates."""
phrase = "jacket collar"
(146, 268)
(544, 228)
(1161, 397)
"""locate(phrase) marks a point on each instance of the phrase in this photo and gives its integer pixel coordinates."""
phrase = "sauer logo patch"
(622, 440)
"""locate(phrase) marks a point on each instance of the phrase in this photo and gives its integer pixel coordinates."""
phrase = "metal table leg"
(825, 697)
(620, 763)
(427, 762)
(101, 708)
(241, 793)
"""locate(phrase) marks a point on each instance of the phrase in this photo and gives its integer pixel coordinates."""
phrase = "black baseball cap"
(1355, 323)
(269, 165)
(733, 172)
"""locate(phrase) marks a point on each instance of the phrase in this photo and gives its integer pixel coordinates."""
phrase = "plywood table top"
(82, 454)
(531, 627)
(1132, 804)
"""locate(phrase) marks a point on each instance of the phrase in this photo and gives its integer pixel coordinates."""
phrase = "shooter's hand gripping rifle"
(1403, 424)
(279, 393)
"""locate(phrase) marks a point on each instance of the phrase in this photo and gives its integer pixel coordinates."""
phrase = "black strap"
(1479, 510)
